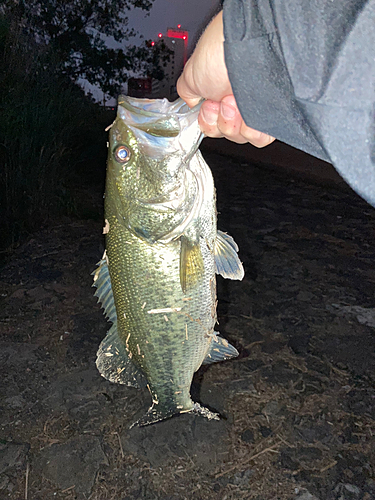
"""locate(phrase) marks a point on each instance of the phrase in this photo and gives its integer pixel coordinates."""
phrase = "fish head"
(152, 142)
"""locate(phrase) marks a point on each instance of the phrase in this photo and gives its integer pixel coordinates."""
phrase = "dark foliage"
(76, 36)
(52, 138)
(47, 129)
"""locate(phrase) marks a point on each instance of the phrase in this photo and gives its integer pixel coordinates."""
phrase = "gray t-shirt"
(303, 71)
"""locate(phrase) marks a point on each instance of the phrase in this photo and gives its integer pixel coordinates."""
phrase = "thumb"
(186, 91)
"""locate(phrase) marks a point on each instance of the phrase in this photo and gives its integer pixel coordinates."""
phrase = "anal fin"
(220, 350)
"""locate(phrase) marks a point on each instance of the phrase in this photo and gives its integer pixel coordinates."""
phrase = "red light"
(178, 26)
(160, 35)
(152, 44)
(182, 34)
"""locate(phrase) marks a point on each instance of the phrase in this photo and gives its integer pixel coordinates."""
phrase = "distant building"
(176, 40)
(139, 87)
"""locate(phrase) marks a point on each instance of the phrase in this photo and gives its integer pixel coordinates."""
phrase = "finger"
(230, 121)
(256, 138)
(208, 118)
(231, 125)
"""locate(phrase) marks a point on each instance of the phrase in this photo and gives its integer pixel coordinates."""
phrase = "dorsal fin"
(102, 282)
(114, 363)
(112, 360)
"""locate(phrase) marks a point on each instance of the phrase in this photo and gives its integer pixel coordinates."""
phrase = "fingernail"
(228, 111)
(209, 116)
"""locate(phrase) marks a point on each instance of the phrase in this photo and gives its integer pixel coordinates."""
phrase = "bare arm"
(205, 75)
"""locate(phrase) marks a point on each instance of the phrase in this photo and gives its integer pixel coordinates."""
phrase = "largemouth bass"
(157, 281)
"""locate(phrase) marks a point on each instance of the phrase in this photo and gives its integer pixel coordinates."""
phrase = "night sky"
(168, 14)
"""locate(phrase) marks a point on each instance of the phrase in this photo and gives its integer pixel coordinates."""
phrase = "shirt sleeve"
(303, 71)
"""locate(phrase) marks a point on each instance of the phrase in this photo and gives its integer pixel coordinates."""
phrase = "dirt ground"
(297, 406)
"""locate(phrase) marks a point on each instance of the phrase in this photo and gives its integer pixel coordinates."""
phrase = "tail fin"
(156, 414)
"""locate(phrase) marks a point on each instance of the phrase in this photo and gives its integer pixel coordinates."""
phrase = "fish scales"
(163, 249)
(140, 275)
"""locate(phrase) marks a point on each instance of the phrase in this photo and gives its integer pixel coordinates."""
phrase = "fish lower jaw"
(156, 414)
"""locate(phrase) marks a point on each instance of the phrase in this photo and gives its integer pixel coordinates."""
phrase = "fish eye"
(122, 154)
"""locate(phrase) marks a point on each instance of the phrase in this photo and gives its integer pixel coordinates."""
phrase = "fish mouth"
(159, 117)
(151, 107)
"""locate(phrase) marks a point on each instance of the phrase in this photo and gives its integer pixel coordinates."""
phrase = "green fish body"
(157, 281)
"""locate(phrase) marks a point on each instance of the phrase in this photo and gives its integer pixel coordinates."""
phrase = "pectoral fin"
(227, 262)
(191, 264)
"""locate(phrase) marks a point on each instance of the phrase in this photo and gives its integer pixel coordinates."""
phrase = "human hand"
(205, 75)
